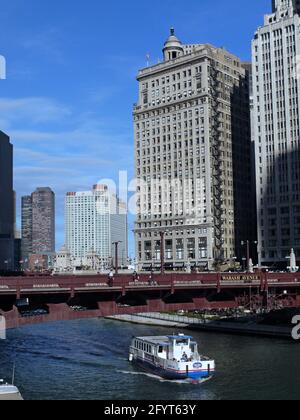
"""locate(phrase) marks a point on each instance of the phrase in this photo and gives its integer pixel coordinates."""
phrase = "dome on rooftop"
(173, 47)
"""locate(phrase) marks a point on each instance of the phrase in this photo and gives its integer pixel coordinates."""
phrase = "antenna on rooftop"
(148, 59)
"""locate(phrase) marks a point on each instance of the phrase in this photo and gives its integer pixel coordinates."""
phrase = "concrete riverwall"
(240, 326)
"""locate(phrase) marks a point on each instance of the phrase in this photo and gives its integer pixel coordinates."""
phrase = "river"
(89, 360)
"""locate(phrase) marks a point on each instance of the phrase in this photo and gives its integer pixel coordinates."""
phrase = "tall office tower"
(276, 96)
(26, 220)
(38, 224)
(6, 204)
(94, 220)
(192, 152)
(43, 221)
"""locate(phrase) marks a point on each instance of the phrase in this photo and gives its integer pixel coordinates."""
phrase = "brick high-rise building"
(38, 223)
(43, 221)
(26, 220)
(192, 153)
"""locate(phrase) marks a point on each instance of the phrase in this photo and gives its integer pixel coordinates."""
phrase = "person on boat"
(184, 357)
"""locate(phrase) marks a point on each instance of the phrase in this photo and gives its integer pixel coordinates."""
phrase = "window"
(202, 248)
(191, 248)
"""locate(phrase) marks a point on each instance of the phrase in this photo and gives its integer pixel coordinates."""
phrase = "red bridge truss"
(37, 299)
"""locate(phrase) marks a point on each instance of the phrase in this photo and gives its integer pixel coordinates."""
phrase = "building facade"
(7, 221)
(43, 218)
(192, 153)
(94, 220)
(26, 223)
(276, 99)
(38, 225)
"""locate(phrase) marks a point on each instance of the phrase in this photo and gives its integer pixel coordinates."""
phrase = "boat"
(173, 357)
(9, 392)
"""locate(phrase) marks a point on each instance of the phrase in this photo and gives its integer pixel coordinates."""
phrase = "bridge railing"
(145, 279)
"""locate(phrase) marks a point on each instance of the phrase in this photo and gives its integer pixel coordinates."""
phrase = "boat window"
(160, 349)
(182, 341)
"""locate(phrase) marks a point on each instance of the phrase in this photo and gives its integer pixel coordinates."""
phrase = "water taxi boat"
(171, 357)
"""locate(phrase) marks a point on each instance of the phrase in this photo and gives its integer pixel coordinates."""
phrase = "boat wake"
(180, 382)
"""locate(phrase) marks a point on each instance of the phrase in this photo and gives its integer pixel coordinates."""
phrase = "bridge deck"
(102, 296)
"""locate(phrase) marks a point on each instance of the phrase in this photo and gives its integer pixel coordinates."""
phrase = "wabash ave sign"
(240, 278)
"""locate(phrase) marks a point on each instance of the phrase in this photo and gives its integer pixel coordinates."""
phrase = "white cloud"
(64, 150)
(32, 110)
(47, 43)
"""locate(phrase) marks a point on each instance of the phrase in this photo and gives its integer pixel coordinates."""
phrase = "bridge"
(44, 298)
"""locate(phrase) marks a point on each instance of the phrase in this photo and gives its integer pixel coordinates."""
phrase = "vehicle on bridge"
(171, 357)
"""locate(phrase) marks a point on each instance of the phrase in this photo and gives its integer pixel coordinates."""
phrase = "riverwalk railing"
(180, 319)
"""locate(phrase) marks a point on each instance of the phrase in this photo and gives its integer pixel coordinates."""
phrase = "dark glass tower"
(6, 204)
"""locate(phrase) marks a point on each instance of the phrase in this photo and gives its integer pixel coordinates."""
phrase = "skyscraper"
(43, 221)
(26, 220)
(6, 204)
(192, 152)
(93, 221)
(38, 223)
(276, 112)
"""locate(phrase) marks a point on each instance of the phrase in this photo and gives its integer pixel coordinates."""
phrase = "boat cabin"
(176, 347)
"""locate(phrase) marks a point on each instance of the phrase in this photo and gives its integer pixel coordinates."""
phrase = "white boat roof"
(8, 389)
(162, 340)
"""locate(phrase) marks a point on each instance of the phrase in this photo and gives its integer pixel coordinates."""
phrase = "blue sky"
(71, 67)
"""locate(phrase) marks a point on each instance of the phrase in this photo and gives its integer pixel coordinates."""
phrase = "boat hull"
(172, 374)
(9, 393)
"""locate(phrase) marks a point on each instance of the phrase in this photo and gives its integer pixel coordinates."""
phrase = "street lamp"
(116, 244)
(247, 243)
(162, 251)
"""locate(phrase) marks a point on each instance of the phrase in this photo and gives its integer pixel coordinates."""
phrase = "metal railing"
(179, 319)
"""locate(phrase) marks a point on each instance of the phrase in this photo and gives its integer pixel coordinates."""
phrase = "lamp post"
(162, 251)
(116, 244)
(247, 243)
